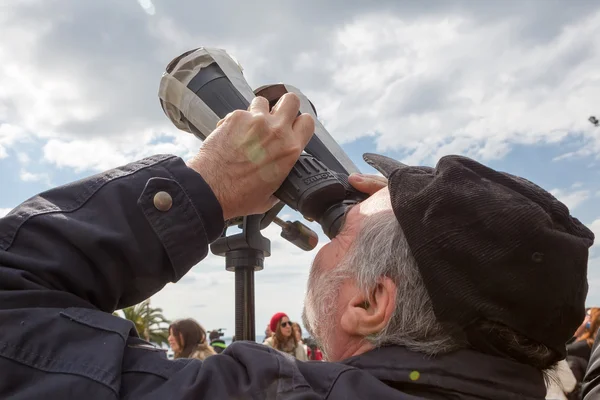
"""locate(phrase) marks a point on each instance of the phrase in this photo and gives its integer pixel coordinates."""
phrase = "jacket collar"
(467, 372)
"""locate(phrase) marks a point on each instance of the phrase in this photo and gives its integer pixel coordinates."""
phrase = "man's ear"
(369, 313)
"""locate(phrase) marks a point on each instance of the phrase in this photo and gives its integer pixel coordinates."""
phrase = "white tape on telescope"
(233, 71)
(178, 99)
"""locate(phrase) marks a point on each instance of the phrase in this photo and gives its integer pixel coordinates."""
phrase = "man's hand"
(369, 184)
(250, 154)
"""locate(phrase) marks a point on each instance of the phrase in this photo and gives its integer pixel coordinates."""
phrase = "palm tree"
(149, 322)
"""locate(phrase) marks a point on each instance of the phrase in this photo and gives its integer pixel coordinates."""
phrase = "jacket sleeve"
(109, 241)
(591, 383)
(578, 366)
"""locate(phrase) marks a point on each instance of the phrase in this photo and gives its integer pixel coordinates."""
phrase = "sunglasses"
(286, 324)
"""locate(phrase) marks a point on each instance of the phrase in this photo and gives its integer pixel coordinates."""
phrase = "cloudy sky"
(509, 83)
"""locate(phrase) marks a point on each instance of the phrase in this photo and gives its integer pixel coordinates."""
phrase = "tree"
(149, 322)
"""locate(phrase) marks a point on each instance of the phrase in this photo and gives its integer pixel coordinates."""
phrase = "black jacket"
(72, 255)
(591, 382)
(578, 357)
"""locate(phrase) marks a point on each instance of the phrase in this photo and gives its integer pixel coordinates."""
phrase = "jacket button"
(163, 201)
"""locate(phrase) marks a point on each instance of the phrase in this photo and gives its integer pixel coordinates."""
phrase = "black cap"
(492, 246)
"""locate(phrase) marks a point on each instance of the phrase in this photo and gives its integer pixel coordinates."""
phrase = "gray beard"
(320, 308)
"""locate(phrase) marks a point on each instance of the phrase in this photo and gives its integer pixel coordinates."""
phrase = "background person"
(298, 333)
(216, 342)
(187, 339)
(284, 338)
(585, 326)
(268, 332)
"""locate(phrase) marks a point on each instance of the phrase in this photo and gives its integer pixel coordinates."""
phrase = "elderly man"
(455, 282)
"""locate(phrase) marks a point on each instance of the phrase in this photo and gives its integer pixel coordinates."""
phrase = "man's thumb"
(368, 184)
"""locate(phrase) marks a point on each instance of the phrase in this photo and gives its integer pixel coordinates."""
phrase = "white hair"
(381, 250)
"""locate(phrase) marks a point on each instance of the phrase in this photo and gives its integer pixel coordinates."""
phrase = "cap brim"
(383, 164)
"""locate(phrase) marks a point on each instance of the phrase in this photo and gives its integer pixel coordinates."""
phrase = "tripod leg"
(245, 253)
(244, 304)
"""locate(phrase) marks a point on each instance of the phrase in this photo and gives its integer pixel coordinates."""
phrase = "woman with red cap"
(283, 338)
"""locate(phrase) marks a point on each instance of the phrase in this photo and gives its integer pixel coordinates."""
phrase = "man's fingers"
(368, 184)
(259, 105)
(287, 107)
(304, 128)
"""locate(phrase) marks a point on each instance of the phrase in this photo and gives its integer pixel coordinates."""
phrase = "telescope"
(199, 88)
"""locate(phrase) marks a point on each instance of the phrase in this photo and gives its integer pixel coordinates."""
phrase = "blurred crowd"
(188, 339)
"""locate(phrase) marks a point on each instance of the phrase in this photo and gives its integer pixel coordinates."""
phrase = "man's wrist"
(203, 197)
(208, 171)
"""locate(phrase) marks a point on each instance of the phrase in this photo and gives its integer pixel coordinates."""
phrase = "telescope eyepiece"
(333, 217)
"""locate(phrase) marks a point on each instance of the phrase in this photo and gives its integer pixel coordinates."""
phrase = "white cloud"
(4, 211)
(9, 135)
(40, 100)
(147, 6)
(595, 227)
(55, 87)
(98, 154)
(593, 298)
(23, 158)
(572, 199)
(27, 176)
(428, 81)
(433, 86)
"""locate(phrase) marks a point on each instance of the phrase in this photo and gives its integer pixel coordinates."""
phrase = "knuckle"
(259, 120)
(237, 115)
(261, 99)
(295, 148)
(279, 130)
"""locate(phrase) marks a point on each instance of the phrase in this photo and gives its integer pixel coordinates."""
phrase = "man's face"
(330, 290)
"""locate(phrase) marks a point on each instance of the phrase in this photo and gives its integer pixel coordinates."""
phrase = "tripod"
(244, 253)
